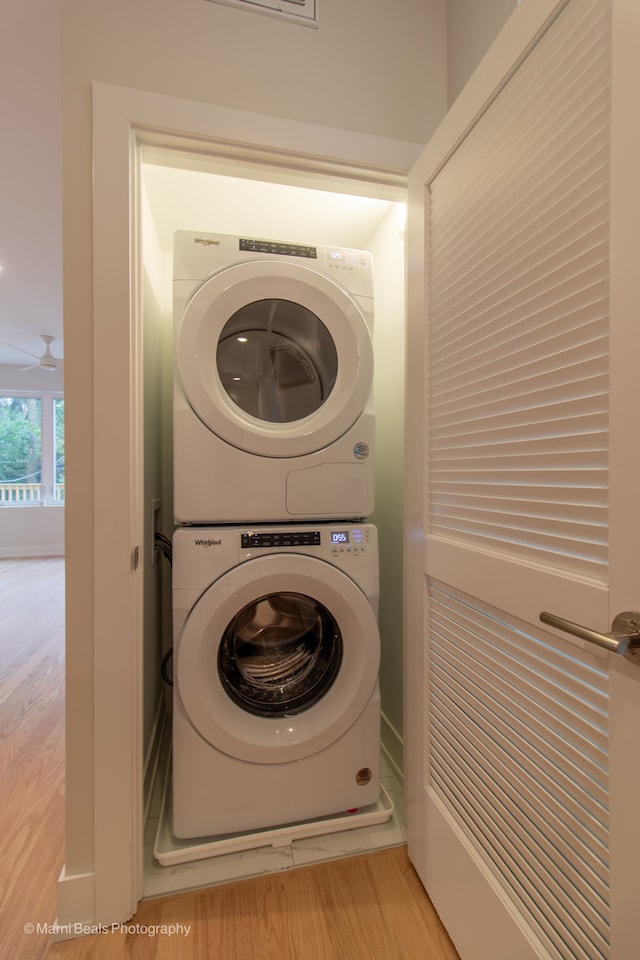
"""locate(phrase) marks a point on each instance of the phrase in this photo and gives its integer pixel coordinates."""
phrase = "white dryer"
(276, 714)
(273, 407)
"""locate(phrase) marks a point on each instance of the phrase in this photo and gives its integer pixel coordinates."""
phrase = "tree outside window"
(58, 426)
(31, 449)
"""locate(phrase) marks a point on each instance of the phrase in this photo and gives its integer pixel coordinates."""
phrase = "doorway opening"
(182, 190)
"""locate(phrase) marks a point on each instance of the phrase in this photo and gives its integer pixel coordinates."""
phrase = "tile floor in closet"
(160, 880)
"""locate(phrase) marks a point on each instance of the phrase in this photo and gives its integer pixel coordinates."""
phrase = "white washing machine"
(276, 714)
(273, 406)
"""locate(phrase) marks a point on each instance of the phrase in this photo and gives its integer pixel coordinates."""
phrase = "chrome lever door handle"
(624, 638)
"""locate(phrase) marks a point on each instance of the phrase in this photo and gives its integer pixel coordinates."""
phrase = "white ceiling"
(30, 192)
(192, 200)
(180, 199)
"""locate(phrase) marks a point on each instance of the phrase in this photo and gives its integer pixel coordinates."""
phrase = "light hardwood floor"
(31, 749)
(371, 907)
(365, 908)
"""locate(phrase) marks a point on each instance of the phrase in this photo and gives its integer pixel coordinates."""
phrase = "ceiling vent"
(297, 11)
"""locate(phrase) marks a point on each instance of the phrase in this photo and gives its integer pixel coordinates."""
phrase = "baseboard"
(75, 892)
(75, 906)
(392, 748)
(18, 552)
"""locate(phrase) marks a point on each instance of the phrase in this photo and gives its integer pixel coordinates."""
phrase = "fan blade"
(13, 347)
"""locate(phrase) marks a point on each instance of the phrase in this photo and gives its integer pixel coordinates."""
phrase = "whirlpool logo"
(206, 241)
(207, 543)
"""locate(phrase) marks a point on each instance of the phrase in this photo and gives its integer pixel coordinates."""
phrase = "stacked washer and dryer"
(276, 712)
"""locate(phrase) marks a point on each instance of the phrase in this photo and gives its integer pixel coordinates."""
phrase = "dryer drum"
(276, 360)
(280, 654)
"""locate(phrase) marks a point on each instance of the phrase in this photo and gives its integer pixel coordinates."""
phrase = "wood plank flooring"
(31, 749)
(371, 907)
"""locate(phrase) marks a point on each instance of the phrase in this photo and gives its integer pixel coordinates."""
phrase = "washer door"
(277, 659)
(274, 358)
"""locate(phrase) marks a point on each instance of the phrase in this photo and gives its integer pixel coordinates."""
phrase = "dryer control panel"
(350, 267)
(278, 248)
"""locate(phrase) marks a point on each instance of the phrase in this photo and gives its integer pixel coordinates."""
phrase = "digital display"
(339, 536)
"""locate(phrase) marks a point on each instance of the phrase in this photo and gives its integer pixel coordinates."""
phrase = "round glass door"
(280, 654)
(276, 360)
(263, 666)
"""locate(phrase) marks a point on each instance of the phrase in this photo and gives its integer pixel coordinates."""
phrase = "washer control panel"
(343, 539)
(275, 539)
(201, 554)
(348, 539)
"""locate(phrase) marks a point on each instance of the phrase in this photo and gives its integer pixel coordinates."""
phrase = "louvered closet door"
(523, 780)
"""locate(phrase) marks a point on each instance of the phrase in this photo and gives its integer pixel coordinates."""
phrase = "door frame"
(125, 122)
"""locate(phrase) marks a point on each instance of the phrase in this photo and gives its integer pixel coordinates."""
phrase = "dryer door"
(274, 358)
(277, 659)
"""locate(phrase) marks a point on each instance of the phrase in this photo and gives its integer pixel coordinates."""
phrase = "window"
(31, 448)
(299, 11)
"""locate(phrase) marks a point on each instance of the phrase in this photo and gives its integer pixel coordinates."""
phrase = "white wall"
(27, 531)
(157, 579)
(32, 531)
(388, 248)
(14, 377)
(472, 26)
(363, 69)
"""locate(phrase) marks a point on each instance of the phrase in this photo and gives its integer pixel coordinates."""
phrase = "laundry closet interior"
(210, 196)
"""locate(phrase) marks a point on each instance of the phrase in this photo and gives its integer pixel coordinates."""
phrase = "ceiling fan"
(46, 361)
